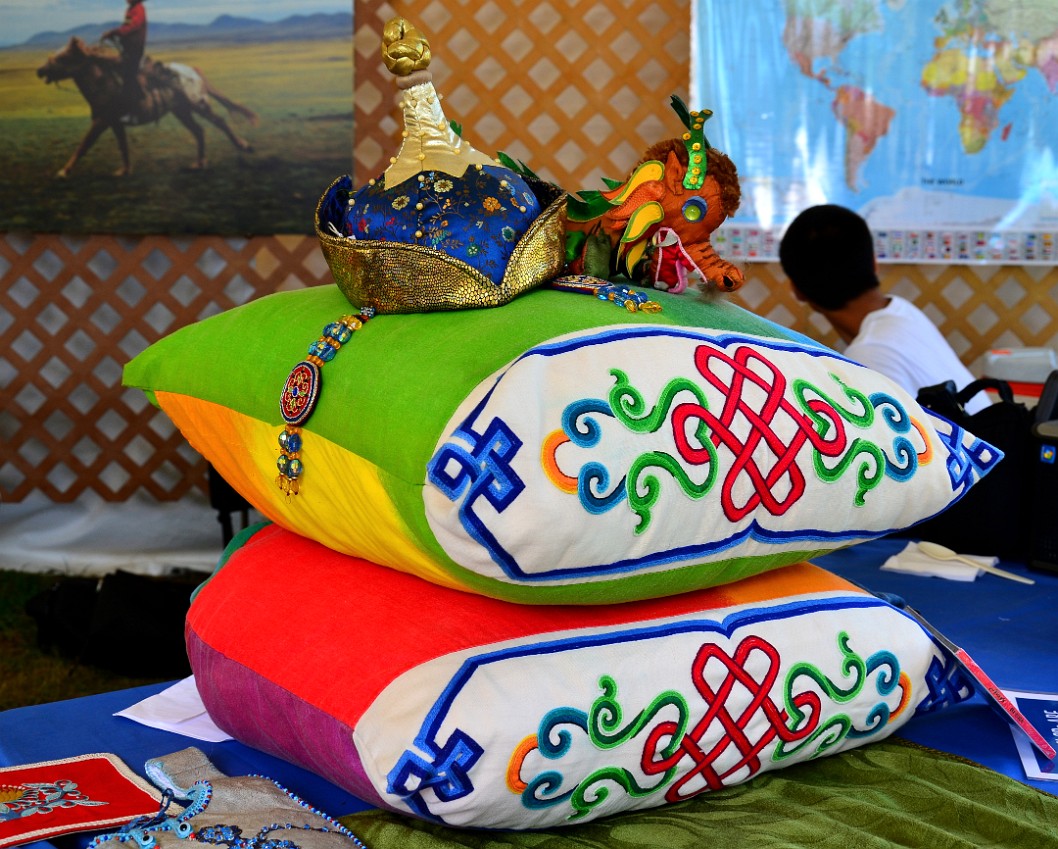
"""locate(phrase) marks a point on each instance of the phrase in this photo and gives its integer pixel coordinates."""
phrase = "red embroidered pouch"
(86, 793)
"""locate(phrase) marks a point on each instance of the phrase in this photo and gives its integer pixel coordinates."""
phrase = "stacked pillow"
(477, 712)
(558, 450)
(429, 621)
(540, 563)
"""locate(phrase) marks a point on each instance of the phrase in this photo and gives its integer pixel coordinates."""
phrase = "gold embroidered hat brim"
(399, 277)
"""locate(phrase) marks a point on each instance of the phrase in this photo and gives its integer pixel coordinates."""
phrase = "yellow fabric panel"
(342, 504)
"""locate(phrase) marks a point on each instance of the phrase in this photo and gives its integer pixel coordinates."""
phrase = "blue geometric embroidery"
(481, 471)
(966, 465)
(447, 774)
(947, 685)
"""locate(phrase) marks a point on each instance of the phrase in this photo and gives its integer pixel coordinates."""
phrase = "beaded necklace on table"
(144, 831)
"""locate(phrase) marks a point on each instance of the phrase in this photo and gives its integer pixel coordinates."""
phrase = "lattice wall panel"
(73, 311)
(977, 308)
(577, 89)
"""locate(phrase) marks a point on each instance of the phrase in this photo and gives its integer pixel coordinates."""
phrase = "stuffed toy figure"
(654, 226)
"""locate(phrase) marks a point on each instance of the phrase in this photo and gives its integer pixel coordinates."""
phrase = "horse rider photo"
(171, 87)
(204, 118)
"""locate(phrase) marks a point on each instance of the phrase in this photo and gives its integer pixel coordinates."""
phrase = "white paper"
(913, 561)
(1040, 709)
(178, 709)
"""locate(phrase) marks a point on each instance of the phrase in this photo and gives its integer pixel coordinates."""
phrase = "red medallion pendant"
(300, 393)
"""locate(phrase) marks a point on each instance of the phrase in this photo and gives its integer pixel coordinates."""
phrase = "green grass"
(30, 676)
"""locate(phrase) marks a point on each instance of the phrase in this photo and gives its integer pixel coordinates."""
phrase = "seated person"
(828, 254)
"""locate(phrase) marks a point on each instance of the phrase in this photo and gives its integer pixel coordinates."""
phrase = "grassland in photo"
(300, 90)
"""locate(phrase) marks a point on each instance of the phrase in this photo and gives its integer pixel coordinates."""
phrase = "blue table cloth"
(1010, 629)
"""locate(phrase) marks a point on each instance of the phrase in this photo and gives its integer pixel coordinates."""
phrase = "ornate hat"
(445, 226)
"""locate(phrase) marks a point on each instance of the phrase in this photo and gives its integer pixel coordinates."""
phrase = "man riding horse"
(132, 40)
(171, 87)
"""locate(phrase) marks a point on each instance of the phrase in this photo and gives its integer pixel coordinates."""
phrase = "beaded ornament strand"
(633, 300)
(302, 391)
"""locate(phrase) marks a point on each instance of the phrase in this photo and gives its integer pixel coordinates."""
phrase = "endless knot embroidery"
(761, 415)
(734, 742)
(762, 433)
(741, 723)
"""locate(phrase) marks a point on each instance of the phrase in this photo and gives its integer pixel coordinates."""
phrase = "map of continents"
(981, 50)
(816, 34)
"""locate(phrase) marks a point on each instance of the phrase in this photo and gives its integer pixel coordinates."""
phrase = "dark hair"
(828, 254)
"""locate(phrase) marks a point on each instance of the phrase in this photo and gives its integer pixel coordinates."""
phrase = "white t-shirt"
(901, 342)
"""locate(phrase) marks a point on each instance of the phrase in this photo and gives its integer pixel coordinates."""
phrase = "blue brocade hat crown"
(445, 227)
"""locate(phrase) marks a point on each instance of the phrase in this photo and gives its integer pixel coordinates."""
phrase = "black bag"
(125, 623)
(995, 516)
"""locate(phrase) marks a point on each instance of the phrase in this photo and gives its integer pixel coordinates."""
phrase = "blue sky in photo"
(21, 19)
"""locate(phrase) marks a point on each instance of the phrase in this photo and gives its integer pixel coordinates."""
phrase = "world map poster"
(937, 120)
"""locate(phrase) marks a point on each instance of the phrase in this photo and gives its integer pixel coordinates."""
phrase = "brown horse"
(169, 87)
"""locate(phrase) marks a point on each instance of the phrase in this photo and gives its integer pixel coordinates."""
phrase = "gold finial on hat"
(404, 49)
(430, 143)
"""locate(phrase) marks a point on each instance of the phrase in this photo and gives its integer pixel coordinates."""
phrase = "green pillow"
(558, 449)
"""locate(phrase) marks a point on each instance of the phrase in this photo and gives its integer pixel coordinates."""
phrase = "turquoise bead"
(322, 350)
(339, 331)
(290, 442)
